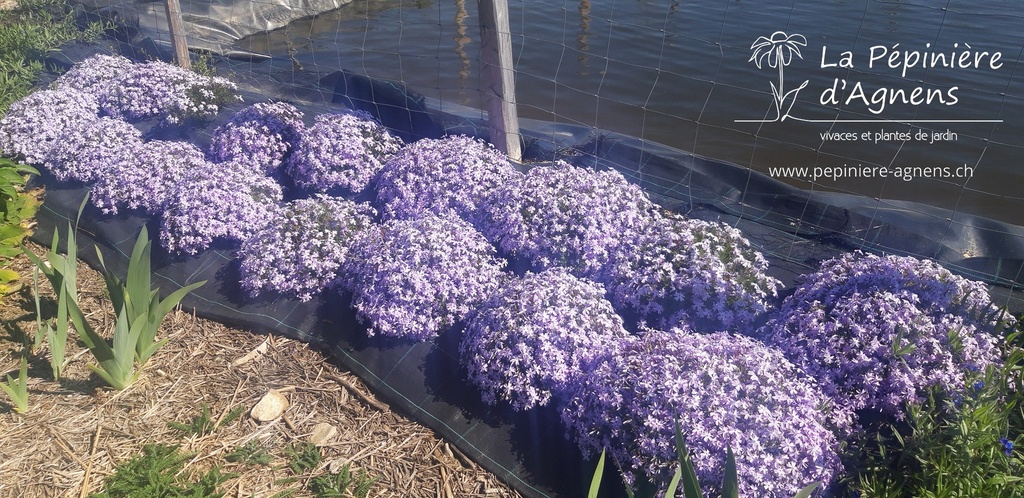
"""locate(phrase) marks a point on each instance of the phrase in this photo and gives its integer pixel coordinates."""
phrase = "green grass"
(27, 34)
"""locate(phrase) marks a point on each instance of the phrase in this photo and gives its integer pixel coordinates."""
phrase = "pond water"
(682, 74)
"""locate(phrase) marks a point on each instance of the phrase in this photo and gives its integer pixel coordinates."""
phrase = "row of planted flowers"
(539, 268)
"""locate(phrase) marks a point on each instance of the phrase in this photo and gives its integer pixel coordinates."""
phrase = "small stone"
(322, 434)
(270, 407)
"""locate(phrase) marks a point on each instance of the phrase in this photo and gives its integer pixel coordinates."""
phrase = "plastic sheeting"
(211, 25)
(794, 228)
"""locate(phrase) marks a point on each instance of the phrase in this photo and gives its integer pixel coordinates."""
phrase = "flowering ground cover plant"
(677, 270)
(144, 175)
(302, 249)
(414, 278)
(35, 125)
(725, 390)
(158, 90)
(230, 201)
(90, 154)
(453, 173)
(94, 75)
(878, 332)
(563, 215)
(536, 336)
(262, 135)
(342, 153)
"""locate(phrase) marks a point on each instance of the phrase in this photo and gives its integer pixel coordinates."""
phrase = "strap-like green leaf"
(691, 488)
(730, 481)
(137, 282)
(595, 482)
(806, 492)
(670, 491)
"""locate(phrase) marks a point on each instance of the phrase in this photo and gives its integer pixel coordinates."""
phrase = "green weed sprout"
(337, 484)
(18, 389)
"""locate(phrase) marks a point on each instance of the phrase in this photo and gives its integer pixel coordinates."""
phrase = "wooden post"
(499, 77)
(178, 34)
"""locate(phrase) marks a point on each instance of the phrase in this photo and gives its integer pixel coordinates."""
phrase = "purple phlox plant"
(536, 336)
(677, 270)
(95, 75)
(725, 390)
(878, 332)
(456, 173)
(341, 152)
(302, 249)
(144, 176)
(227, 201)
(35, 126)
(92, 154)
(158, 90)
(563, 215)
(262, 134)
(415, 278)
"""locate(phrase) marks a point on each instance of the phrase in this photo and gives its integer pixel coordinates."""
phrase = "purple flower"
(227, 201)
(302, 249)
(432, 176)
(167, 92)
(92, 153)
(562, 215)
(95, 75)
(415, 278)
(725, 390)
(37, 124)
(342, 152)
(262, 134)
(678, 270)
(877, 332)
(536, 336)
(143, 176)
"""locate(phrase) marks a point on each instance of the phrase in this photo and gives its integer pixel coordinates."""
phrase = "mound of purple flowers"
(342, 152)
(677, 270)
(415, 278)
(726, 390)
(562, 215)
(37, 124)
(453, 173)
(877, 332)
(91, 154)
(302, 249)
(167, 92)
(143, 176)
(262, 135)
(536, 336)
(94, 75)
(230, 201)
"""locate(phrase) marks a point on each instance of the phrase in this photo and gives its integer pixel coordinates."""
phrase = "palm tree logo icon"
(777, 51)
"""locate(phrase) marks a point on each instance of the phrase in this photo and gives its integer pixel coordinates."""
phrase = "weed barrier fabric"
(794, 228)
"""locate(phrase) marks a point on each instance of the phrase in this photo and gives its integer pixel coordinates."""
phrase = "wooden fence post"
(499, 77)
(177, 28)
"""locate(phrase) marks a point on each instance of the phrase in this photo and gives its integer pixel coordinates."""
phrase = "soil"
(77, 429)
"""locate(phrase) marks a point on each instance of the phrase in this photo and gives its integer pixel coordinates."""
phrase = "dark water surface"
(680, 74)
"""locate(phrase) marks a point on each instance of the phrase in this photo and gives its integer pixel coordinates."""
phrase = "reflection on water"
(461, 40)
(581, 37)
(679, 74)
